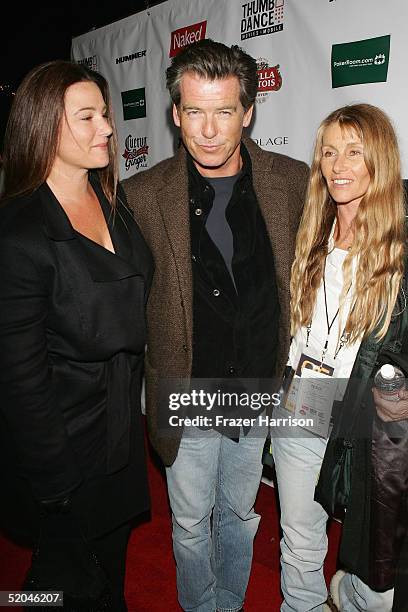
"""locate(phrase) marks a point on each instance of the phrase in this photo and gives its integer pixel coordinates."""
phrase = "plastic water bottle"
(389, 380)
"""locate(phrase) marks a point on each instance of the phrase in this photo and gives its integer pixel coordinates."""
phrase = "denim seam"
(218, 525)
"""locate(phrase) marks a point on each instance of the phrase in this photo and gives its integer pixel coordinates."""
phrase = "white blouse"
(344, 361)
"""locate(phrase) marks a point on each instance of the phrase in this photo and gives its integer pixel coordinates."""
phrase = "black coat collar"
(102, 265)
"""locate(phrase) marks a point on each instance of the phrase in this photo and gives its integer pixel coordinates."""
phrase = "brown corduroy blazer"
(159, 199)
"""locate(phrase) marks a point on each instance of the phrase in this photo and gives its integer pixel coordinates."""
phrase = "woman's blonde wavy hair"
(379, 230)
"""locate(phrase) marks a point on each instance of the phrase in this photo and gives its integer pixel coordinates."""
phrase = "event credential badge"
(311, 394)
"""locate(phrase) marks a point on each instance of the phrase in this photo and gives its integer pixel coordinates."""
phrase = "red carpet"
(151, 576)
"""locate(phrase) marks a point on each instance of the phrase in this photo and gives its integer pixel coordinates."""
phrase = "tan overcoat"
(159, 199)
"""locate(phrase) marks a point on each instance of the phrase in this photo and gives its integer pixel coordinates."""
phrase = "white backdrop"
(292, 41)
(293, 46)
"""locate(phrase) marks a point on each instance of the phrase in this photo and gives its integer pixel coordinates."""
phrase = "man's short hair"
(213, 60)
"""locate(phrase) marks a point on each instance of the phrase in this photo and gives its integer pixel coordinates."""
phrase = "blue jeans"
(356, 596)
(304, 543)
(214, 476)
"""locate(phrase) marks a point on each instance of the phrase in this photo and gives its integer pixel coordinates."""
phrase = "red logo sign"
(136, 153)
(186, 36)
(269, 79)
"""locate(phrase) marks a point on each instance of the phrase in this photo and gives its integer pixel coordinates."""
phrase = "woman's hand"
(391, 411)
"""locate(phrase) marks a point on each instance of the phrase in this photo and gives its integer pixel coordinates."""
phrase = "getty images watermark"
(235, 403)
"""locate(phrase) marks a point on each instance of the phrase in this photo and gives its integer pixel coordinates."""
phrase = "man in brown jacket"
(220, 218)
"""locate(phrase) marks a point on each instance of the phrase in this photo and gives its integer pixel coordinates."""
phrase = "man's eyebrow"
(232, 107)
(222, 107)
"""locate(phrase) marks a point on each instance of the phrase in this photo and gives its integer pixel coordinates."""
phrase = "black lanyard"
(344, 335)
(329, 325)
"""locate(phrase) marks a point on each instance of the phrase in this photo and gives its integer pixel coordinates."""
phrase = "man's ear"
(248, 116)
(176, 117)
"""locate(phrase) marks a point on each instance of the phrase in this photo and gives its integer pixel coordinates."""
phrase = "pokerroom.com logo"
(261, 17)
(269, 79)
(361, 61)
(186, 36)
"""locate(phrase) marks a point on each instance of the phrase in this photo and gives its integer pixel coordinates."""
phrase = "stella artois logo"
(269, 79)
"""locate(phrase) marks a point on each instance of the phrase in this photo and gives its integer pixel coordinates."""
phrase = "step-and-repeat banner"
(313, 56)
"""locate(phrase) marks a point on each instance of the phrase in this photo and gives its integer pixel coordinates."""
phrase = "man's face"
(211, 117)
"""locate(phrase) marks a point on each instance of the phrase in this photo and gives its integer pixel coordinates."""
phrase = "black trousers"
(111, 551)
(61, 554)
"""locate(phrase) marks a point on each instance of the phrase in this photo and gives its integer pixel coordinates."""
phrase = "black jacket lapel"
(102, 265)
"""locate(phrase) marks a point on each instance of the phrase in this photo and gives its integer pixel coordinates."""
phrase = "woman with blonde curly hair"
(348, 313)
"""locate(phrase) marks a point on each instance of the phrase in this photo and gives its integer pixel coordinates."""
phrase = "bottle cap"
(387, 371)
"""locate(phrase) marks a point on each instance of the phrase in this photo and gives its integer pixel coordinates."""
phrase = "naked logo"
(186, 36)
(260, 17)
(90, 62)
(269, 79)
(130, 57)
(136, 152)
(134, 103)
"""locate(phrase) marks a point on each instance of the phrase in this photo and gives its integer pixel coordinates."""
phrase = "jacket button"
(193, 257)
(185, 348)
(231, 370)
(216, 292)
(198, 212)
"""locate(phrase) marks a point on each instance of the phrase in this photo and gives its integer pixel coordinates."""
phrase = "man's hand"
(391, 411)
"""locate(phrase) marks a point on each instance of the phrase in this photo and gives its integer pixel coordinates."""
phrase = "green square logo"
(363, 61)
(134, 103)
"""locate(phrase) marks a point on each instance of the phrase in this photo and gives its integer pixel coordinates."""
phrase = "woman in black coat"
(75, 276)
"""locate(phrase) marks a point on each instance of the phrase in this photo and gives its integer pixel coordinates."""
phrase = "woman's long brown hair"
(33, 128)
